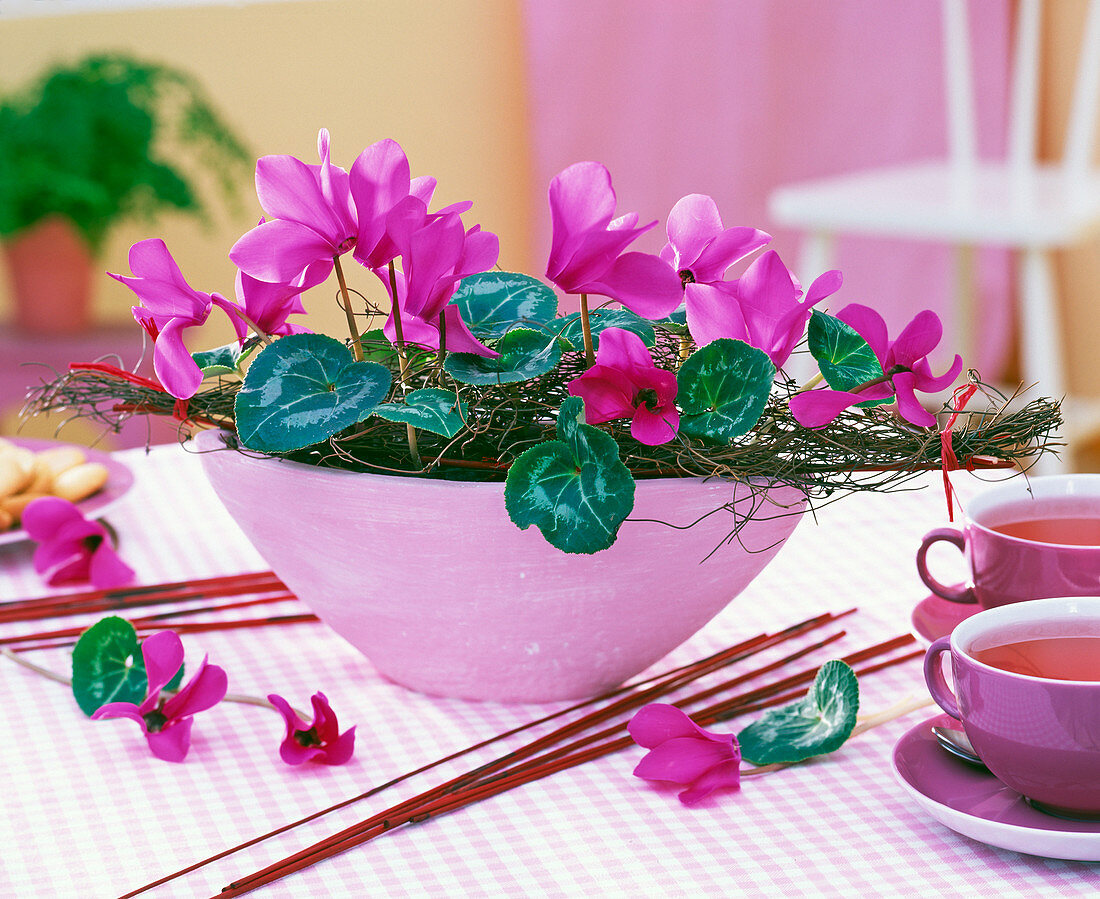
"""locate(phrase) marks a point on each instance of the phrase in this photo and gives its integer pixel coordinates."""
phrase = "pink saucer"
(971, 801)
(935, 617)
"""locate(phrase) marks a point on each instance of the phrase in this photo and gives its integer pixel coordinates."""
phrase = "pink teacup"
(1030, 538)
(1027, 690)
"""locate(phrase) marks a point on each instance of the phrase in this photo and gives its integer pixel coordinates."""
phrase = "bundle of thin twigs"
(863, 449)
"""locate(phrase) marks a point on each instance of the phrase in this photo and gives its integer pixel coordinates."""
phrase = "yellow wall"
(445, 79)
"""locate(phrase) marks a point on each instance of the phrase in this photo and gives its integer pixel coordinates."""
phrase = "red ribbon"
(179, 411)
(116, 372)
(950, 462)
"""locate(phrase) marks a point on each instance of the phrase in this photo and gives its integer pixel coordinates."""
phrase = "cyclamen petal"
(205, 690)
(713, 312)
(70, 548)
(699, 243)
(723, 776)
(173, 742)
(173, 364)
(654, 428)
(817, 408)
(166, 724)
(587, 245)
(319, 741)
(163, 655)
(682, 752)
(682, 760)
(642, 283)
(624, 383)
(904, 361)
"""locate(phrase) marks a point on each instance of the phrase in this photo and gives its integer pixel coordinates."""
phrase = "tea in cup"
(1027, 691)
(1026, 539)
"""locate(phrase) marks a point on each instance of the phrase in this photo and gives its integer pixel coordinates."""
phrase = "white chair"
(1016, 203)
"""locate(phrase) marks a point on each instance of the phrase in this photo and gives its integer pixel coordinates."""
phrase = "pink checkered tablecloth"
(88, 812)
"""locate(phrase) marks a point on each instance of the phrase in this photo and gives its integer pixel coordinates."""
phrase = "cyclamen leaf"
(377, 348)
(524, 354)
(846, 360)
(108, 666)
(575, 489)
(571, 329)
(817, 724)
(222, 360)
(492, 303)
(301, 390)
(722, 389)
(430, 409)
(675, 322)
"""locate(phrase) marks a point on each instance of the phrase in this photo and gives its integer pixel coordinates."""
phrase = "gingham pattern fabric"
(88, 812)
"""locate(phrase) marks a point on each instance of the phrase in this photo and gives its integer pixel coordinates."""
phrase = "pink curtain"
(734, 97)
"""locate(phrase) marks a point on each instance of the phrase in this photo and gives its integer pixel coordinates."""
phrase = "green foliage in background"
(92, 142)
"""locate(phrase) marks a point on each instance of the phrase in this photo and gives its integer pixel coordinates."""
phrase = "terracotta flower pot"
(50, 269)
(435, 585)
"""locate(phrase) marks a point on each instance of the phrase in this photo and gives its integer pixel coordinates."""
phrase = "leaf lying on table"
(817, 724)
(108, 666)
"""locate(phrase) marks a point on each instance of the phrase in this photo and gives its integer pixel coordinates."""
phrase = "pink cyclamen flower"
(71, 548)
(319, 741)
(310, 219)
(586, 252)
(169, 306)
(167, 722)
(700, 249)
(318, 212)
(681, 752)
(268, 305)
(436, 253)
(904, 364)
(764, 307)
(624, 383)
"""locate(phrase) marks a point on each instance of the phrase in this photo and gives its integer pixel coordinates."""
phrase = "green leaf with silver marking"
(524, 354)
(430, 409)
(222, 360)
(846, 360)
(303, 389)
(108, 666)
(817, 724)
(575, 489)
(722, 389)
(493, 303)
(571, 330)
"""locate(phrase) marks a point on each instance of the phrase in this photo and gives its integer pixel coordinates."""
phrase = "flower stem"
(812, 383)
(345, 301)
(410, 431)
(239, 698)
(442, 357)
(898, 710)
(37, 669)
(586, 330)
(265, 338)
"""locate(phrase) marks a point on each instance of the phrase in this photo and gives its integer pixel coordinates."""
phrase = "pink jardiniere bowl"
(432, 581)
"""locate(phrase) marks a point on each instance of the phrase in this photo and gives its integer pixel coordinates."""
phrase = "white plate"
(119, 480)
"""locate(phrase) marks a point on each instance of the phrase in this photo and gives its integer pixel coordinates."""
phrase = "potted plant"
(84, 147)
(491, 498)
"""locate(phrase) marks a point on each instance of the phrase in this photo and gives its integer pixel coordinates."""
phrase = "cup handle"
(955, 538)
(937, 683)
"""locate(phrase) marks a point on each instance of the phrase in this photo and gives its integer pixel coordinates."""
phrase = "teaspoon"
(958, 744)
